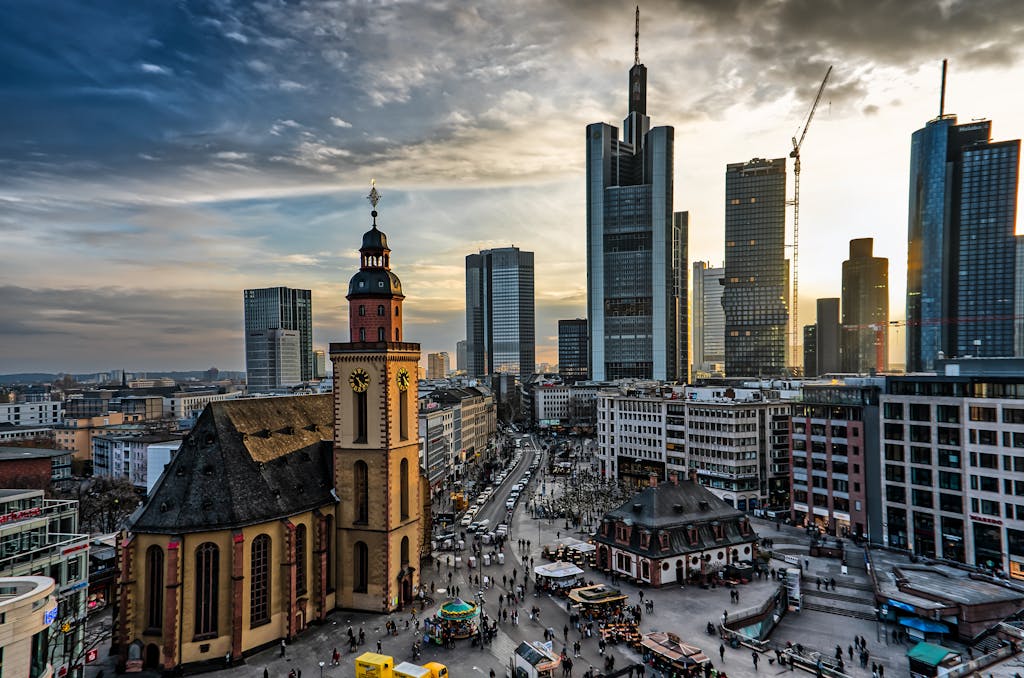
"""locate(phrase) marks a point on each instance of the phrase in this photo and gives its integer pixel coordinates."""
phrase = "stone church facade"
(277, 511)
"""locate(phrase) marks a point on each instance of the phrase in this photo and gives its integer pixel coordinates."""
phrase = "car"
(473, 526)
(466, 520)
(502, 530)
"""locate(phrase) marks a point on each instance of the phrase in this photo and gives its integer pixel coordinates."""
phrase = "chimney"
(673, 478)
(693, 475)
(653, 480)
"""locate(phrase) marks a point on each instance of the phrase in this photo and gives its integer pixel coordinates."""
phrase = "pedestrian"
(849, 651)
(379, 648)
(721, 651)
(818, 582)
(754, 658)
(282, 647)
(266, 673)
(881, 671)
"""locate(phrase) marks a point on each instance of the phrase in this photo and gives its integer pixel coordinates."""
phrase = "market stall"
(535, 660)
(598, 602)
(454, 620)
(666, 652)
(558, 577)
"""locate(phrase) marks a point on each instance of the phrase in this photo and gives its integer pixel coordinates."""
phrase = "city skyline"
(156, 169)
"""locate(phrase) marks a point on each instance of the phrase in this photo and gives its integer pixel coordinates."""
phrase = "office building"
(34, 467)
(636, 299)
(277, 308)
(28, 608)
(953, 456)
(461, 361)
(319, 364)
(755, 299)
(272, 359)
(961, 258)
(865, 331)
(438, 365)
(40, 537)
(827, 336)
(39, 413)
(708, 320)
(735, 439)
(573, 350)
(810, 349)
(835, 463)
(500, 323)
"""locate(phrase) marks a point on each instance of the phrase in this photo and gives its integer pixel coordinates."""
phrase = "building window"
(403, 415)
(403, 493)
(396, 334)
(207, 589)
(380, 334)
(259, 581)
(361, 414)
(154, 588)
(360, 567)
(380, 310)
(300, 559)
(362, 310)
(404, 552)
(396, 311)
(328, 548)
(362, 334)
(361, 481)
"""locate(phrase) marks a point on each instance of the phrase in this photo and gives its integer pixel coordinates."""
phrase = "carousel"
(454, 620)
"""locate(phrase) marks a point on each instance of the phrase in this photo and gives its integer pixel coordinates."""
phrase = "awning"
(583, 547)
(557, 570)
(900, 606)
(925, 625)
(929, 654)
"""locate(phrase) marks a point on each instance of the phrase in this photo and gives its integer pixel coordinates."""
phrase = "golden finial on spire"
(374, 196)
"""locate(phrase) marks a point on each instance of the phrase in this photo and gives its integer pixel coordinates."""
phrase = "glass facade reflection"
(500, 320)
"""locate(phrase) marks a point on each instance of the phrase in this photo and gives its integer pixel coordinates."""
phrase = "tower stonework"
(376, 453)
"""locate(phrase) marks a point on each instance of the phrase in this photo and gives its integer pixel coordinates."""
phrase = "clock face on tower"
(359, 380)
(403, 379)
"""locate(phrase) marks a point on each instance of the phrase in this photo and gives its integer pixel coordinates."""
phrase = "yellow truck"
(372, 665)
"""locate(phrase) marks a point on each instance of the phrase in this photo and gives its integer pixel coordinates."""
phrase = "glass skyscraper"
(865, 309)
(636, 282)
(573, 350)
(961, 247)
(756, 271)
(500, 322)
(708, 336)
(279, 308)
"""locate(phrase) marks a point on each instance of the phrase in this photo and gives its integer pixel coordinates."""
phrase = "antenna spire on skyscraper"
(636, 38)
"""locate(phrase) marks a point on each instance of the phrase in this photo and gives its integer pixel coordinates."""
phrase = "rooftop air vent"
(703, 505)
(678, 508)
(637, 508)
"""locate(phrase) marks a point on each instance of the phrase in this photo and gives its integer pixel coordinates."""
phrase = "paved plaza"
(681, 610)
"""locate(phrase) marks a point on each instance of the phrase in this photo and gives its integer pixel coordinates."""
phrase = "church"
(276, 511)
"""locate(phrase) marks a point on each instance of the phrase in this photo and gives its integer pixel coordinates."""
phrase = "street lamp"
(321, 669)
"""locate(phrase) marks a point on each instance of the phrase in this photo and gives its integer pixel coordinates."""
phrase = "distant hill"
(44, 378)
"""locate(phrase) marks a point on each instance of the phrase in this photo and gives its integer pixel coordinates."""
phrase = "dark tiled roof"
(14, 453)
(246, 461)
(673, 509)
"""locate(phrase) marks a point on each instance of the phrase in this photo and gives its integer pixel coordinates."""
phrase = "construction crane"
(795, 154)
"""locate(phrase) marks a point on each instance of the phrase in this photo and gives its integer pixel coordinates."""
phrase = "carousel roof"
(457, 609)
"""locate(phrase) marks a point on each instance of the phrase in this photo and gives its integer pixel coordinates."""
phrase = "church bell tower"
(376, 454)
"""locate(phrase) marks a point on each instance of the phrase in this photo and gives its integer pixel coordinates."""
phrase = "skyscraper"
(635, 261)
(961, 247)
(708, 337)
(756, 270)
(500, 324)
(438, 365)
(827, 336)
(865, 309)
(461, 355)
(272, 359)
(810, 350)
(280, 308)
(573, 350)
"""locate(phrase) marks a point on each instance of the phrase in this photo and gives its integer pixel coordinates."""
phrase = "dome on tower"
(375, 282)
(374, 240)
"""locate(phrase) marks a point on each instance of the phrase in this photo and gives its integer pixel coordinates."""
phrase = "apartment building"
(44, 413)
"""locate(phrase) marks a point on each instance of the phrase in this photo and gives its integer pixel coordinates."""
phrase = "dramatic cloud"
(164, 149)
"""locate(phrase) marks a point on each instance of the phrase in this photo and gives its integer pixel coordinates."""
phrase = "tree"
(72, 637)
(103, 503)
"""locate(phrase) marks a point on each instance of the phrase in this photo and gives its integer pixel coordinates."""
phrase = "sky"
(157, 158)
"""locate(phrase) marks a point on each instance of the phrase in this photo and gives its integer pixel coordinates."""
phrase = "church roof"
(246, 461)
(374, 240)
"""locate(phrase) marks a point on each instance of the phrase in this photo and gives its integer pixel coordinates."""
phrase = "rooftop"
(13, 453)
(930, 585)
